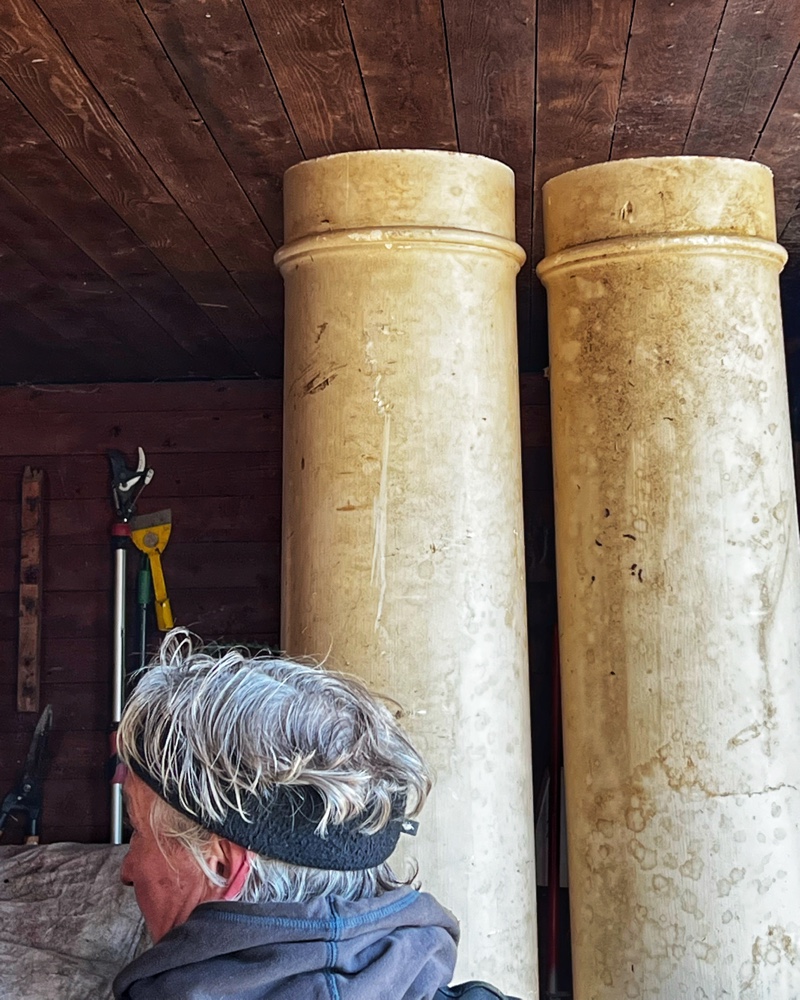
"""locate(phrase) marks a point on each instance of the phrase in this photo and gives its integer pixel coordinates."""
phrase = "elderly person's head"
(259, 779)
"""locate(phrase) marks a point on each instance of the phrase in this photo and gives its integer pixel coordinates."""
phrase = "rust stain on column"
(403, 540)
(678, 579)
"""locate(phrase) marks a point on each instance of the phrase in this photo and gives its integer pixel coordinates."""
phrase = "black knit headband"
(286, 828)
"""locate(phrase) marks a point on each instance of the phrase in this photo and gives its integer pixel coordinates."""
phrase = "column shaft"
(403, 541)
(678, 580)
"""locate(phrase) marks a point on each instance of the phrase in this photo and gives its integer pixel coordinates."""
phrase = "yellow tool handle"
(164, 618)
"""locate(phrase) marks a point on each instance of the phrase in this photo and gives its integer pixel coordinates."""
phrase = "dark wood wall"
(215, 448)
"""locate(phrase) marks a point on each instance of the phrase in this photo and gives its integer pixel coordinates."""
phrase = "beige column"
(678, 580)
(403, 539)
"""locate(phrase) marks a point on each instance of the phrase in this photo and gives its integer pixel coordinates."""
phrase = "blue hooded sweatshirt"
(398, 946)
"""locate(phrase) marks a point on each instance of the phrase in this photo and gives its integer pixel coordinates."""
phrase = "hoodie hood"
(400, 945)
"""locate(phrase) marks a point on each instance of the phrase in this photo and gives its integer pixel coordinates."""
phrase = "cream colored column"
(403, 538)
(678, 580)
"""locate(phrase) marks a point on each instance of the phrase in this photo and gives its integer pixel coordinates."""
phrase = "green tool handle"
(144, 596)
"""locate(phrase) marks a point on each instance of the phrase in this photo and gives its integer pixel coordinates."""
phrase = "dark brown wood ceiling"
(143, 142)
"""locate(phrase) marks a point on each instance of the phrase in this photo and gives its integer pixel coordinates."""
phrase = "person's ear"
(232, 863)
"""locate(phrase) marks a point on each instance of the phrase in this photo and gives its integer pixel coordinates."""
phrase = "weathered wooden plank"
(213, 613)
(120, 53)
(752, 52)
(83, 477)
(101, 300)
(668, 54)
(34, 165)
(71, 755)
(310, 52)
(218, 397)
(86, 659)
(76, 707)
(44, 77)
(194, 519)
(779, 148)
(402, 53)
(580, 48)
(491, 65)
(223, 68)
(534, 390)
(109, 349)
(59, 434)
(70, 810)
(33, 350)
(187, 565)
(31, 586)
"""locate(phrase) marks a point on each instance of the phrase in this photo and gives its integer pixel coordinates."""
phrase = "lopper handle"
(164, 619)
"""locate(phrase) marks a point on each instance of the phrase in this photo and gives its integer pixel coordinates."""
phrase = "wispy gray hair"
(216, 728)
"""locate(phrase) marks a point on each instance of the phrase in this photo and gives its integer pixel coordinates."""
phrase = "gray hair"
(219, 728)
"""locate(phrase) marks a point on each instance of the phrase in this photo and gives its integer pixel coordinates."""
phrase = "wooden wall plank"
(223, 68)
(75, 751)
(39, 171)
(221, 564)
(752, 52)
(668, 55)
(56, 433)
(69, 810)
(580, 47)
(197, 519)
(78, 710)
(53, 433)
(77, 477)
(402, 53)
(237, 612)
(31, 589)
(212, 397)
(188, 565)
(310, 53)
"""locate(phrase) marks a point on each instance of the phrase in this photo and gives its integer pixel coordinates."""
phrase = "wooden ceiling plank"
(40, 171)
(492, 65)
(61, 263)
(24, 284)
(581, 48)
(310, 53)
(778, 147)
(33, 235)
(46, 79)
(752, 53)
(492, 73)
(32, 350)
(668, 56)
(223, 68)
(114, 44)
(402, 54)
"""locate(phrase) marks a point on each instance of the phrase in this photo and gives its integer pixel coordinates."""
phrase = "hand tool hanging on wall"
(26, 797)
(126, 486)
(150, 534)
(30, 591)
(144, 597)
